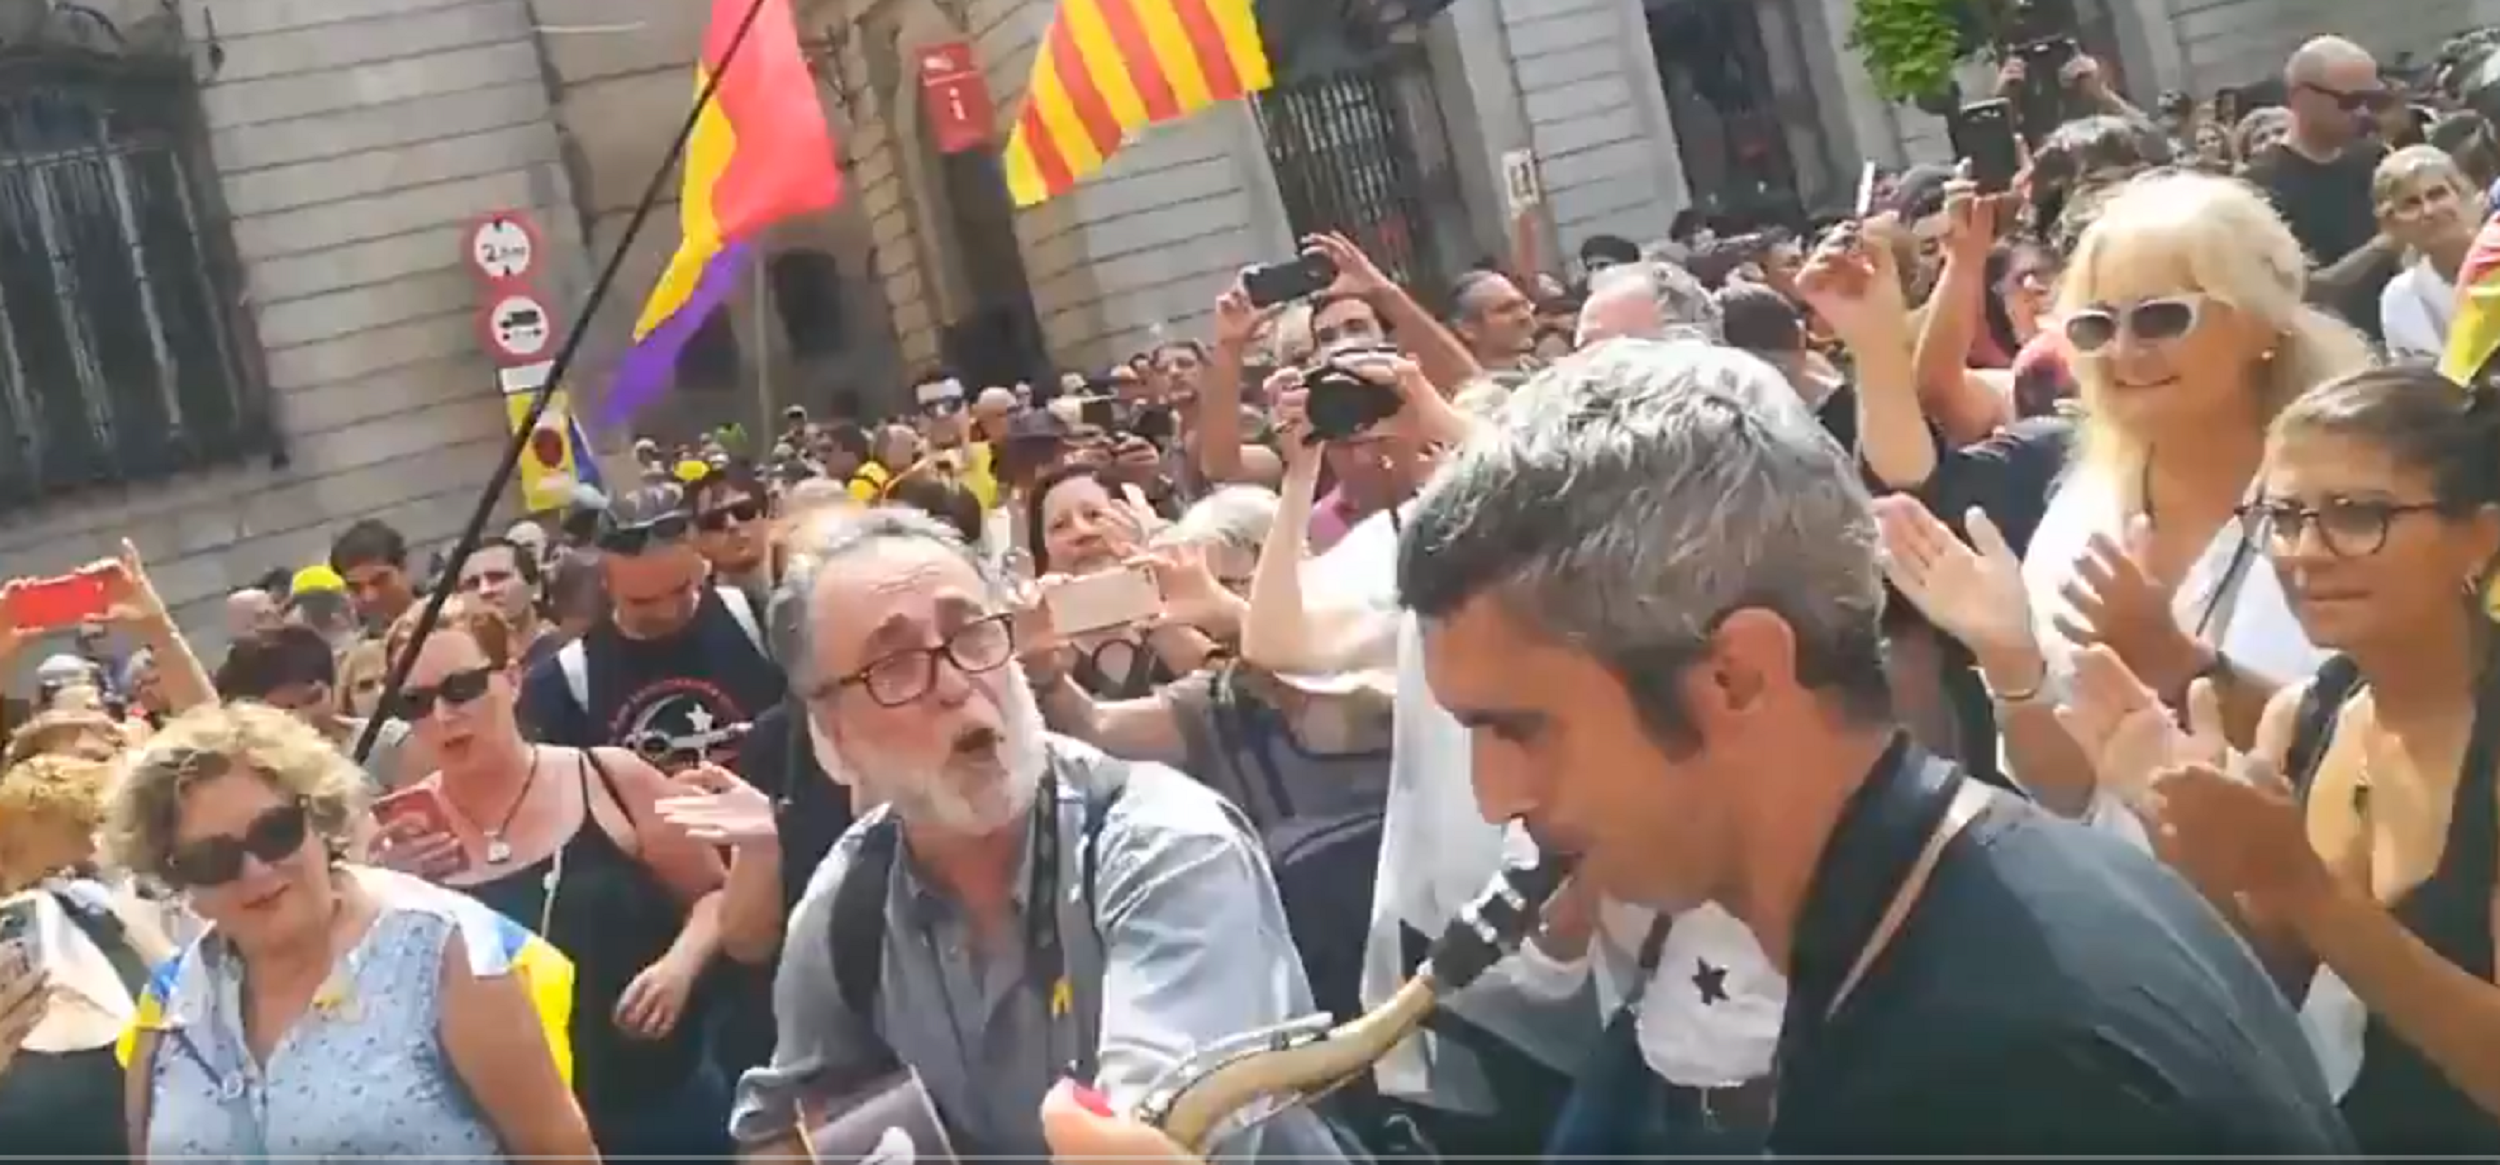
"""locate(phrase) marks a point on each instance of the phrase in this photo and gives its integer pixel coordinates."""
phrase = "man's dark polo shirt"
(2053, 991)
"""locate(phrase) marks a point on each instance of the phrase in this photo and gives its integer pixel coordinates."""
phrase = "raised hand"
(719, 807)
(1974, 593)
(2237, 829)
(1852, 283)
(2127, 733)
(2119, 600)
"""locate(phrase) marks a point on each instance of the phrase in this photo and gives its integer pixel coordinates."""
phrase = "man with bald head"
(2319, 176)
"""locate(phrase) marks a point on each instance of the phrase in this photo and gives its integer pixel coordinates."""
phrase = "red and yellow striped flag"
(1108, 68)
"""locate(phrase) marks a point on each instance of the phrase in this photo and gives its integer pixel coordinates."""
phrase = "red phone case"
(422, 802)
(66, 601)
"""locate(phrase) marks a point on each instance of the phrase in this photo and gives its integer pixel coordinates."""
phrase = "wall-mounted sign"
(961, 115)
(1521, 190)
(503, 247)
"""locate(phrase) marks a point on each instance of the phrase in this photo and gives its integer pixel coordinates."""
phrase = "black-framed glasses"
(2347, 527)
(454, 690)
(983, 645)
(641, 536)
(2092, 329)
(272, 837)
(745, 512)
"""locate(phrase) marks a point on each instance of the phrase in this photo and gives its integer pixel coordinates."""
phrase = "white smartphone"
(1866, 191)
(1098, 602)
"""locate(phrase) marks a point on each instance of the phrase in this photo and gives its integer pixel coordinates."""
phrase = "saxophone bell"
(1244, 1079)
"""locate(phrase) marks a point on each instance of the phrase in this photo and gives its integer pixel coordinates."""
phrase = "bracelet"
(2013, 699)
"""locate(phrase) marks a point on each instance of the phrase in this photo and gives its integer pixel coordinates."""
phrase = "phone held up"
(1985, 133)
(45, 604)
(418, 810)
(1120, 597)
(1303, 275)
(21, 942)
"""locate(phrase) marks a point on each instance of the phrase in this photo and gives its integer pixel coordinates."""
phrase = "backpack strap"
(2313, 725)
(1237, 736)
(856, 934)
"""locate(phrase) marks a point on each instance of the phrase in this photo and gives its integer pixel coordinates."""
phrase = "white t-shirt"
(2415, 310)
(1436, 850)
(1710, 1016)
(2254, 628)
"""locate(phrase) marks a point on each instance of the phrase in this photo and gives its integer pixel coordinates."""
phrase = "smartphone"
(1984, 133)
(21, 939)
(43, 604)
(1274, 283)
(1866, 192)
(421, 806)
(1099, 602)
(1101, 412)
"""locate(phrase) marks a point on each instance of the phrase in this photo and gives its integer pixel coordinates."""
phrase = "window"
(709, 361)
(118, 339)
(807, 294)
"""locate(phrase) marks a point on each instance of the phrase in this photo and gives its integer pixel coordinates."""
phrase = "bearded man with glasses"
(1020, 908)
(677, 668)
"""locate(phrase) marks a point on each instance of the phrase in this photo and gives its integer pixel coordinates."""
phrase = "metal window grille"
(119, 359)
(1363, 151)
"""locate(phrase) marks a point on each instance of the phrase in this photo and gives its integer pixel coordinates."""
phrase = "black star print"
(1710, 981)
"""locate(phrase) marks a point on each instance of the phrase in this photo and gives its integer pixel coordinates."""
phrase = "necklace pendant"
(497, 853)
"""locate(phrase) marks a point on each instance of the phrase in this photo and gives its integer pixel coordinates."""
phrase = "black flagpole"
(475, 531)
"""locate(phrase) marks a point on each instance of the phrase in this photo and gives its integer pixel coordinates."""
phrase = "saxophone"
(1302, 1060)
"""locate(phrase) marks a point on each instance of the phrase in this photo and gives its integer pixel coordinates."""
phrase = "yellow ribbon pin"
(1062, 998)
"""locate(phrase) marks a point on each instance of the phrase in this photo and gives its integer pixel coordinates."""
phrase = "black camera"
(1343, 402)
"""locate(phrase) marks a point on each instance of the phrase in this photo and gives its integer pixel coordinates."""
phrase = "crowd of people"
(2009, 669)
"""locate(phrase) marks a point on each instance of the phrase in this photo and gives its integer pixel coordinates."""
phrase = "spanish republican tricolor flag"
(2475, 333)
(760, 153)
(1108, 68)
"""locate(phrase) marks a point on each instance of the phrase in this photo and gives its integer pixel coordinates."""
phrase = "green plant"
(1909, 46)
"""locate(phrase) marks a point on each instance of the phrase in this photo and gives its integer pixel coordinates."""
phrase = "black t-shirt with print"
(666, 699)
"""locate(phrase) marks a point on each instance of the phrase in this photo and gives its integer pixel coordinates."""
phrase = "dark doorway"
(997, 339)
(1736, 102)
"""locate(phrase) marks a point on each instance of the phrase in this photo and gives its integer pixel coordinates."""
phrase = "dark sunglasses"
(272, 837)
(945, 406)
(2152, 321)
(453, 690)
(642, 536)
(2356, 101)
(745, 513)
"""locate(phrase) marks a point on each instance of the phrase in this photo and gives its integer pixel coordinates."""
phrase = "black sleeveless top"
(612, 916)
(2401, 1104)
(67, 1105)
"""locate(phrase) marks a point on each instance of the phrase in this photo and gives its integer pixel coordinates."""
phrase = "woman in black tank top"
(567, 843)
(2380, 855)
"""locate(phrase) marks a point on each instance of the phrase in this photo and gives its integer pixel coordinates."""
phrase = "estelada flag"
(2475, 333)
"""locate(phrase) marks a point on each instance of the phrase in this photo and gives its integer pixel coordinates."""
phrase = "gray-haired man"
(1649, 300)
(1650, 591)
(1021, 907)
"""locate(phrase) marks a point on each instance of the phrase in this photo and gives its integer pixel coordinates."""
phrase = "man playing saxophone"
(1021, 909)
(1649, 588)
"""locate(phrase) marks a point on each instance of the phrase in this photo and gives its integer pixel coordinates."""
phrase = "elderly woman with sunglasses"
(2183, 308)
(330, 1010)
(568, 842)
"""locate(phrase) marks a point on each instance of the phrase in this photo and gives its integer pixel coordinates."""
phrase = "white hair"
(1236, 517)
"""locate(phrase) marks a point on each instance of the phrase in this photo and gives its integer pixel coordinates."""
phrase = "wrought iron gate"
(1365, 152)
(118, 359)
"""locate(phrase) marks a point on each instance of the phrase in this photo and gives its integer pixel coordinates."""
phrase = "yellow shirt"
(868, 484)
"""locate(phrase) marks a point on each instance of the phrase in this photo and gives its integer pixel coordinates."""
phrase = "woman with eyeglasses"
(2360, 841)
(330, 1010)
(568, 843)
(2182, 307)
(1079, 522)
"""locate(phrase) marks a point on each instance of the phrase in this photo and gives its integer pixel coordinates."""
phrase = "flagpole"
(475, 532)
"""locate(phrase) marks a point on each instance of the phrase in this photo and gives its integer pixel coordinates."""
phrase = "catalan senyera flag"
(2475, 333)
(761, 152)
(1108, 68)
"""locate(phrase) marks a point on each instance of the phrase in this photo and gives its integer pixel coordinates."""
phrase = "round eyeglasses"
(2347, 527)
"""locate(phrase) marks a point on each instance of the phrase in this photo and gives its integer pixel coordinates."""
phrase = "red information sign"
(961, 115)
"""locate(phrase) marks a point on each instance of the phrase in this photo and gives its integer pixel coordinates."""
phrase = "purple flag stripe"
(650, 366)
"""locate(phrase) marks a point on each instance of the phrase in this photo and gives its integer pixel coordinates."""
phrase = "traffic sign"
(503, 247)
(518, 328)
